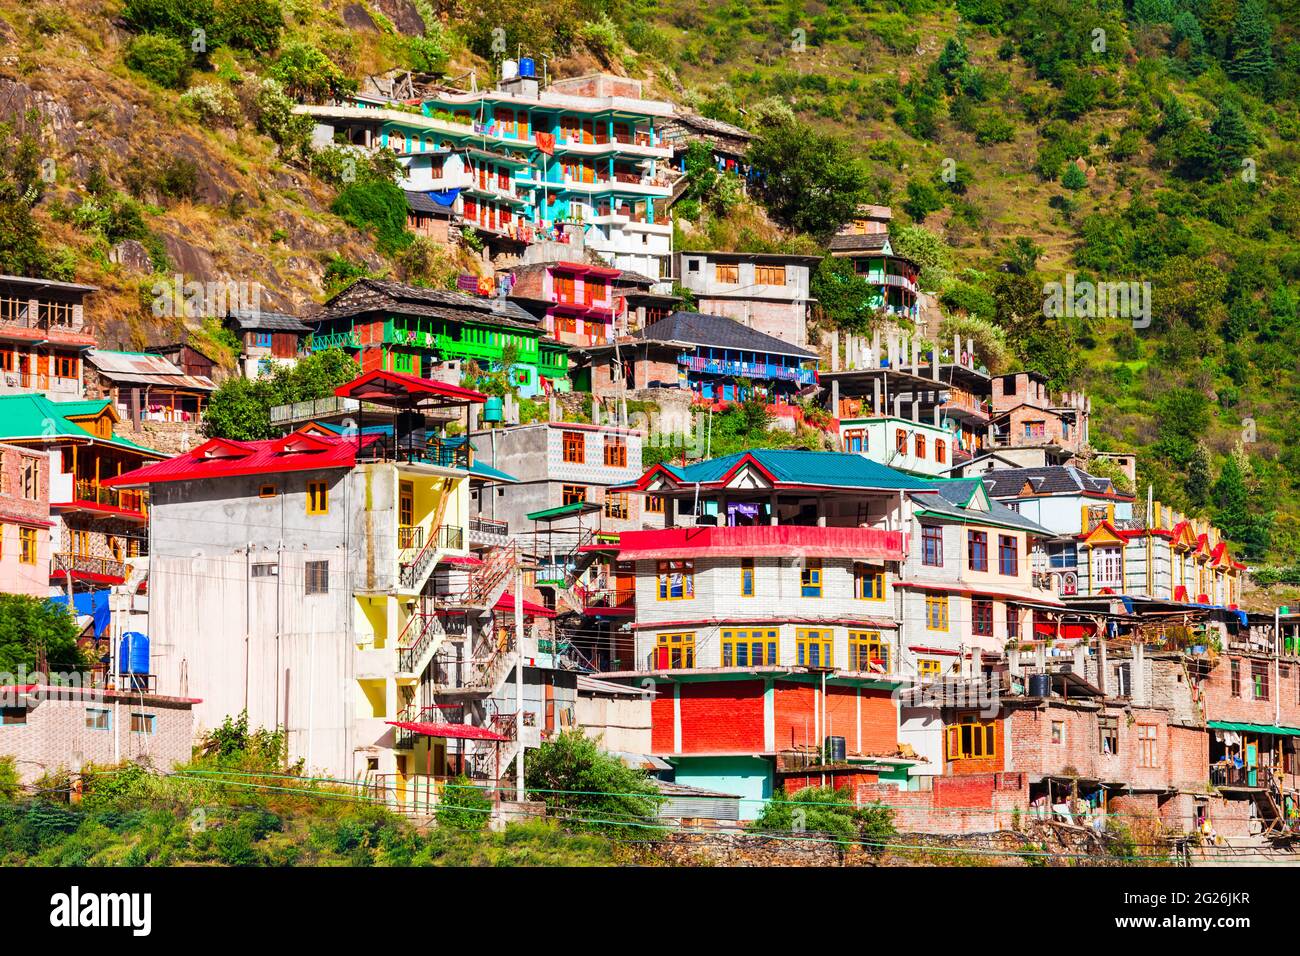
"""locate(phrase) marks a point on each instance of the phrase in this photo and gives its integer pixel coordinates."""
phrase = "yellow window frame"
(936, 612)
(970, 739)
(810, 578)
(868, 582)
(683, 644)
(665, 571)
(808, 639)
(928, 668)
(318, 498)
(27, 545)
(747, 578)
(866, 646)
(761, 646)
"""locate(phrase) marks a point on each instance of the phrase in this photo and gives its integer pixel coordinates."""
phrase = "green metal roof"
(36, 417)
(830, 469)
(563, 511)
(1254, 728)
(480, 470)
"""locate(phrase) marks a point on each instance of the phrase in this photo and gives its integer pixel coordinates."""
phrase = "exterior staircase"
(486, 583)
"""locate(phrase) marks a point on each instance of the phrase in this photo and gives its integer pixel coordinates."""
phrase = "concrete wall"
(621, 723)
(321, 665)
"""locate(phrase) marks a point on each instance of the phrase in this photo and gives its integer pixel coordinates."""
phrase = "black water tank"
(836, 751)
(1040, 685)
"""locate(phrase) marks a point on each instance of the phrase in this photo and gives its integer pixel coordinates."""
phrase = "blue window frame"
(264, 340)
(143, 723)
(99, 718)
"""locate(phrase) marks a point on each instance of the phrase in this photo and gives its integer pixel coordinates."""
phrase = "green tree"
(922, 199)
(241, 407)
(1199, 476)
(809, 181)
(843, 295)
(1232, 501)
(1251, 45)
(1230, 137)
(307, 73)
(21, 188)
(32, 626)
(824, 810)
(586, 788)
(463, 806)
(252, 25)
(1182, 415)
(1074, 178)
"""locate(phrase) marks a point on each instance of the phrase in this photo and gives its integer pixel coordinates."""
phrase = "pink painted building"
(24, 521)
(573, 300)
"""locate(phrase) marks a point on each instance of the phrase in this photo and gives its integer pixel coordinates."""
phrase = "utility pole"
(519, 683)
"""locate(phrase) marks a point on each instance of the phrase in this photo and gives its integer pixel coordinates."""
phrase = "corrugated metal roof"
(146, 368)
(832, 469)
(36, 417)
(224, 458)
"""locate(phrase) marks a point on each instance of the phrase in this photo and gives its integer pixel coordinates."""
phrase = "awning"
(463, 560)
(563, 511)
(506, 603)
(1254, 728)
(450, 731)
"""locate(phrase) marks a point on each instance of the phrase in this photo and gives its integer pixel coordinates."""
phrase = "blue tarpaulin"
(446, 197)
(89, 603)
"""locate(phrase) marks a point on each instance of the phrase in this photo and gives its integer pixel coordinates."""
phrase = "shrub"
(212, 104)
(272, 114)
(823, 810)
(252, 25)
(1074, 177)
(9, 784)
(379, 206)
(160, 58)
(178, 19)
(587, 788)
(307, 73)
(463, 806)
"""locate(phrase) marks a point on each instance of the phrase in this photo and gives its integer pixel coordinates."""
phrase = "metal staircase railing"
(486, 583)
(416, 649)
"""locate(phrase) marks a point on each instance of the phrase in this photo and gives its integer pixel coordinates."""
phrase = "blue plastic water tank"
(493, 409)
(527, 67)
(133, 653)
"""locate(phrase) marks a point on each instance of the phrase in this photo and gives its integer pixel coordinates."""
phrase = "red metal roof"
(452, 731)
(391, 388)
(19, 519)
(463, 560)
(220, 458)
(864, 544)
(506, 602)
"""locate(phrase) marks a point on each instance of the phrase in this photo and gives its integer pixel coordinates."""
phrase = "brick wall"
(56, 733)
(971, 804)
(17, 577)
(726, 717)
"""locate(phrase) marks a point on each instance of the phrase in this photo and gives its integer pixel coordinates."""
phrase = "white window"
(1109, 567)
